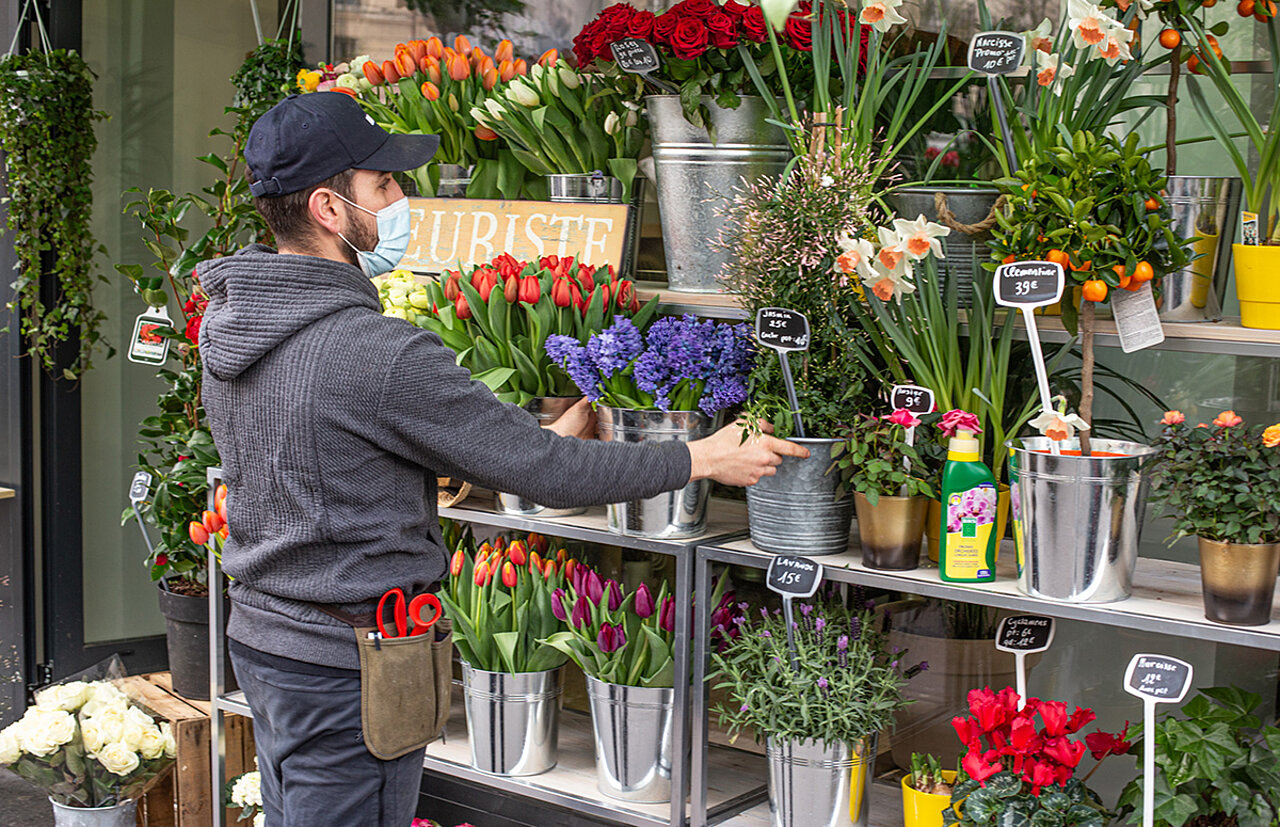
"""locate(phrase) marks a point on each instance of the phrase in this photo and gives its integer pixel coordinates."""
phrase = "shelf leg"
(701, 636)
(680, 725)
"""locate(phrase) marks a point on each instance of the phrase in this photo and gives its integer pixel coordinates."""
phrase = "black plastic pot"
(186, 621)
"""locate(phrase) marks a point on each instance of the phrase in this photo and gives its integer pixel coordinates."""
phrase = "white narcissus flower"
(118, 759)
(67, 697)
(891, 254)
(518, 92)
(1089, 24)
(612, 124)
(1049, 68)
(920, 237)
(855, 257)
(1038, 39)
(881, 14)
(1116, 45)
(1058, 426)
(890, 282)
(10, 746)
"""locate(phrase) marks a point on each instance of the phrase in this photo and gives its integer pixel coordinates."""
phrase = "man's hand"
(579, 421)
(726, 458)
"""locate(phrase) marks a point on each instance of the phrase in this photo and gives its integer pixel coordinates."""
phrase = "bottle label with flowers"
(971, 517)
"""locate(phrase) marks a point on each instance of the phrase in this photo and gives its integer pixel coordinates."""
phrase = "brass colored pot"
(890, 532)
(1239, 581)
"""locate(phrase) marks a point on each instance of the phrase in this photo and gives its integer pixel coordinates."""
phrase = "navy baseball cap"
(306, 139)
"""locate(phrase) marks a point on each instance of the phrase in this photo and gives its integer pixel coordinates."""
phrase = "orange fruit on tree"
(1059, 257)
(1009, 259)
(1119, 270)
(1208, 4)
(1095, 290)
(1152, 203)
(1170, 39)
(1193, 65)
(1143, 272)
(1245, 8)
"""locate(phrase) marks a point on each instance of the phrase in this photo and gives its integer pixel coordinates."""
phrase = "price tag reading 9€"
(911, 398)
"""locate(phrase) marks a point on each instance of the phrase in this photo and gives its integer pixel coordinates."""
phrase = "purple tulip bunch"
(613, 636)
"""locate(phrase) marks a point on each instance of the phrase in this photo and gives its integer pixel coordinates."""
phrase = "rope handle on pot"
(948, 218)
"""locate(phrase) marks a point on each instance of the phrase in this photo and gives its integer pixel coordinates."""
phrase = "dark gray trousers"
(316, 771)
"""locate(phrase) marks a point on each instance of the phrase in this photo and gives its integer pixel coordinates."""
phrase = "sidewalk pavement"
(22, 804)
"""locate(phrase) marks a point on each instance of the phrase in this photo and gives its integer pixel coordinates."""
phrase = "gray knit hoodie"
(333, 422)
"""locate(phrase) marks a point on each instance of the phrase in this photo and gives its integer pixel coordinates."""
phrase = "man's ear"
(327, 210)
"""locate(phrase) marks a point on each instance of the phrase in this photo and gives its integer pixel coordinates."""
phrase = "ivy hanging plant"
(46, 132)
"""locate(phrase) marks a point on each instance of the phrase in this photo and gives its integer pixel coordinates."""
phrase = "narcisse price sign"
(635, 56)
(996, 53)
(1159, 678)
(792, 576)
(911, 398)
(1029, 284)
(1025, 633)
(782, 329)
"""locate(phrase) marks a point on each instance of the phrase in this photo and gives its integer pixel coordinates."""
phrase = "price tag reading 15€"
(1029, 284)
(794, 576)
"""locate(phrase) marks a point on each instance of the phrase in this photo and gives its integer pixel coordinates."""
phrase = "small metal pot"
(632, 727)
(891, 530)
(591, 187)
(545, 409)
(124, 814)
(796, 510)
(813, 784)
(1238, 581)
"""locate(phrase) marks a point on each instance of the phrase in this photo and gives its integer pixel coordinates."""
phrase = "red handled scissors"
(403, 611)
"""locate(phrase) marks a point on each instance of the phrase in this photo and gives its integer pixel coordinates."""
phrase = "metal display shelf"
(1166, 600)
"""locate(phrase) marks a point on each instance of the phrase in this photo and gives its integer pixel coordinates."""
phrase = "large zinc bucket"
(545, 409)
(671, 514)
(632, 727)
(1205, 210)
(969, 213)
(812, 784)
(696, 178)
(124, 814)
(593, 188)
(796, 510)
(513, 720)
(1078, 519)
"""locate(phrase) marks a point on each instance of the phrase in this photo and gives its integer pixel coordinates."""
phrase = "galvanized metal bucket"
(1077, 520)
(671, 514)
(696, 178)
(545, 409)
(124, 814)
(967, 209)
(1204, 209)
(812, 784)
(796, 510)
(596, 188)
(632, 727)
(454, 180)
(513, 720)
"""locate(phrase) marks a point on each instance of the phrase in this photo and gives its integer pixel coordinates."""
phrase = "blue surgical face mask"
(393, 237)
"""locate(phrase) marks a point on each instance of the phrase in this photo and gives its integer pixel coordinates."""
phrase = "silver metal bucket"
(603, 189)
(454, 180)
(632, 726)
(796, 511)
(815, 785)
(1205, 210)
(545, 409)
(124, 814)
(513, 720)
(671, 514)
(1078, 519)
(963, 253)
(696, 178)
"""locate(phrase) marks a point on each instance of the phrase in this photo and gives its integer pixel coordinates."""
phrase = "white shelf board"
(886, 809)
(1166, 595)
(572, 783)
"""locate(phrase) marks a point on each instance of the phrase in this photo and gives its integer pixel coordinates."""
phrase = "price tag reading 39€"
(1158, 677)
(1029, 284)
(911, 398)
(781, 329)
(996, 53)
(1025, 633)
(792, 576)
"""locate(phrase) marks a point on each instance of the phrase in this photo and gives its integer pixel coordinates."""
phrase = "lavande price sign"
(793, 577)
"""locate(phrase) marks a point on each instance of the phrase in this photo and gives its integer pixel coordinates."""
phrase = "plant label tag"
(1025, 633)
(1029, 284)
(911, 398)
(149, 344)
(782, 330)
(1137, 320)
(635, 56)
(1249, 228)
(139, 487)
(792, 576)
(1158, 678)
(996, 53)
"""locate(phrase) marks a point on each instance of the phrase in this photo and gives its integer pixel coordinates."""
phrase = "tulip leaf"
(494, 378)
(506, 645)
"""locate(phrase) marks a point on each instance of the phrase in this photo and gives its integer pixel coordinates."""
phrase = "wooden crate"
(182, 798)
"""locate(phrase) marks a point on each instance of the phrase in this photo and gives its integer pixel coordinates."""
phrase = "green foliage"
(1002, 801)
(871, 458)
(46, 133)
(1215, 761)
(845, 684)
(267, 76)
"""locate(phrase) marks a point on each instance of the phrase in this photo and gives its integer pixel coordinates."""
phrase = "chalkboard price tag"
(996, 53)
(792, 576)
(1029, 284)
(781, 329)
(1025, 633)
(911, 398)
(1159, 678)
(635, 56)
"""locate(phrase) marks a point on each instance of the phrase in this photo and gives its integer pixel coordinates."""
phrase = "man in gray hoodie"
(333, 422)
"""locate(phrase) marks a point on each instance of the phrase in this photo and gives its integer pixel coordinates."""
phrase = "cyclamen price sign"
(1023, 635)
(793, 577)
(1156, 679)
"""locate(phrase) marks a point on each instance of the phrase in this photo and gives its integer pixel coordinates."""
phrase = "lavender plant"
(846, 683)
(681, 364)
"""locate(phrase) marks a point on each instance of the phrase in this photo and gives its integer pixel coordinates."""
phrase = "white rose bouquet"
(87, 744)
(245, 791)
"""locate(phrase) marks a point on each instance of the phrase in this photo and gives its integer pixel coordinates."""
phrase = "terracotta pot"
(1239, 581)
(890, 531)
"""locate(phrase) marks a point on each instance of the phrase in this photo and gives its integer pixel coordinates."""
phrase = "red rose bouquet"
(1015, 764)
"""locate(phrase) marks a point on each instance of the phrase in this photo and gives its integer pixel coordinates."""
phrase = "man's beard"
(360, 235)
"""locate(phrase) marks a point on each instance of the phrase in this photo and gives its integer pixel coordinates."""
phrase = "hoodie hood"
(259, 298)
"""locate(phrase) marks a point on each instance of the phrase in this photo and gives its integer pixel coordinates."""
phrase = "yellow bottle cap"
(964, 447)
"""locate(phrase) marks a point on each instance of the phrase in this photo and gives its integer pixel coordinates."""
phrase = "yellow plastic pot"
(1258, 285)
(924, 809)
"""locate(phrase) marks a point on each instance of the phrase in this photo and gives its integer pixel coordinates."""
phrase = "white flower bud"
(495, 108)
(518, 92)
(569, 77)
(612, 124)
